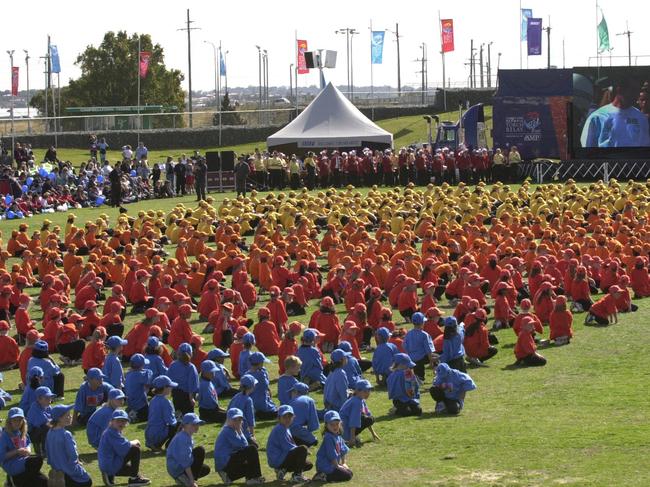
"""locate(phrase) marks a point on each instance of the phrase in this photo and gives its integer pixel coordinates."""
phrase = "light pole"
(489, 65)
(189, 59)
(259, 77)
(498, 66)
(348, 31)
(290, 81)
(29, 122)
(480, 63)
(352, 34)
(214, 52)
(399, 74)
(13, 144)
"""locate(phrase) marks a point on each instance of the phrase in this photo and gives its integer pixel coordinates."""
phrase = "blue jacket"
(351, 413)
(285, 382)
(453, 348)
(135, 388)
(87, 400)
(8, 443)
(113, 371)
(97, 423)
(312, 364)
(50, 369)
(243, 364)
(208, 398)
(185, 375)
(38, 416)
(179, 454)
(278, 446)
(27, 399)
(305, 421)
(245, 403)
(156, 365)
(113, 447)
(403, 386)
(161, 416)
(335, 392)
(332, 448)
(418, 344)
(455, 381)
(62, 454)
(261, 394)
(228, 442)
(382, 358)
(220, 379)
(353, 371)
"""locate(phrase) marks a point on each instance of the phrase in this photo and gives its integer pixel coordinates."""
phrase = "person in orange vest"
(266, 334)
(456, 288)
(429, 300)
(95, 352)
(9, 350)
(543, 301)
(386, 319)
(433, 323)
(17, 291)
(525, 348)
(336, 285)
(355, 294)
(248, 291)
(5, 302)
(288, 345)
(277, 309)
(407, 303)
(326, 321)
(560, 322)
(525, 313)
(68, 343)
(603, 312)
(198, 355)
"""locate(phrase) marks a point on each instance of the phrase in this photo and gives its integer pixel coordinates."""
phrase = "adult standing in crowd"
(242, 170)
(116, 185)
(200, 178)
(179, 175)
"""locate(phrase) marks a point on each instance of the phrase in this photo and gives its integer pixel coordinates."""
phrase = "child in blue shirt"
(209, 410)
(39, 417)
(449, 389)
(184, 460)
(352, 367)
(305, 420)
(100, 419)
(419, 346)
(404, 388)
(282, 453)
(21, 465)
(112, 369)
(261, 396)
(152, 353)
(91, 394)
(330, 458)
(62, 451)
(356, 416)
(234, 456)
(244, 402)
(336, 388)
(183, 372)
(248, 341)
(5, 397)
(161, 424)
(117, 456)
(382, 357)
(34, 381)
(287, 380)
(52, 375)
(453, 351)
(221, 377)
(136, 387)
(311, 370)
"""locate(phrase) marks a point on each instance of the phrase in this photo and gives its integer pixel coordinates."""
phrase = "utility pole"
(424, 72)
(548, 43)
(352, 34)
(629, 43)
(45, 72)
(480, 65)
(471, 64)
(29, 122)
(13, 143)
(189, 59)
(399, 74)
(489, 65)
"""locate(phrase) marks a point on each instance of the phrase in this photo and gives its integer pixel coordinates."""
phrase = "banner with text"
(526, 13)
(14, 81)
(145, 57)
(56, 63)
(447, 33)
(377, 46)
(534, 37)
(301, 62)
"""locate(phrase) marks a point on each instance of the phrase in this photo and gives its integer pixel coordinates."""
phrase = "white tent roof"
(330, 120)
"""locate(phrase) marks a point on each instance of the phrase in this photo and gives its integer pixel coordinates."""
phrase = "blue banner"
(526, 13)
(377, 46)
(534, 37)
(56, 64)
(222, 64)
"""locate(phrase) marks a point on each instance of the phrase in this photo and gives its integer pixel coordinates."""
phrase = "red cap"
(4, 325)
(116, 307)
(196, 340)
(163, 300)
(117, 289)
(21, 280)
(614, 289)
(263, 312)
(185, 309)
(141, 273)
(34, 335)
(228, 294)
(90, 304)
(228, 306)
(24, 299)
(295, 327)
(241, 331)
(560, 300)
(480, 314)
(359, 308)
(74, 318)
(274, 291)
(151, 313)
(525, 304)
(350, 325)
(434, 312)
(327, 302)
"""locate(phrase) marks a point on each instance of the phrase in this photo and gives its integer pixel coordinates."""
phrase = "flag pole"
(597, 39)
(219, 92)
(442, 53)
(372, 79)
(138, 73)
(295, 70)
(520, 22)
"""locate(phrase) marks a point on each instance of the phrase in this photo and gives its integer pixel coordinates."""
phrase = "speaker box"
(227, 160)
(213, 161)
(310, 59)
(330, 59)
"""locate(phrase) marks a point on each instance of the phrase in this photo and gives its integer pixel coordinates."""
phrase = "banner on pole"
(301, 62)
(377, 46)
(526, 13)
(603, 35)
(222, 64)
(14, 81)
(56, 64)
(534, 37)
(145, 57)
(447, 33)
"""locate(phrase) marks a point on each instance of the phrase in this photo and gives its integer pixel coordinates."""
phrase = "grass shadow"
(402, 133)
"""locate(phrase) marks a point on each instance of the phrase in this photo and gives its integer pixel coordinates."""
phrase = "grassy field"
(405, 130)
(581, 420)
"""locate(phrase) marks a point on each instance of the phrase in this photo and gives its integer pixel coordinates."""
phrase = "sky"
(240, 25)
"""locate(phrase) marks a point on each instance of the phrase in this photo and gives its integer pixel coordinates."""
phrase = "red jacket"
(525, 345)
(93, 355)
(9, 350)
(560, 324)
(288, 346)
(267, 340)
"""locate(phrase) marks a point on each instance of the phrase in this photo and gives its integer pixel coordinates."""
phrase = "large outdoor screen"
(610, 116)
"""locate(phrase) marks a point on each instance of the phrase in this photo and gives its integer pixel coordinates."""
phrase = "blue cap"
(208, 366)
(345, 346)
(417, 318)
(310, 334)
(41, 346)
(256, 358)
(338, 355)
(44, 391)
(59, 410)
(384, 333)
(248, 339)
(285, 409)
(138, 360)
(403, 359)
(301, 388)
(36, 371)
(115, 341)
(15, 413)
(120, 414)
(331, 416)
(363, 385)
(163, 381)
(185, 348)
(247, 381)
(192, 418)
(115, 394)
(234, 413)
(450, 321)
(153, 342)
(95, 374)
(217, 353)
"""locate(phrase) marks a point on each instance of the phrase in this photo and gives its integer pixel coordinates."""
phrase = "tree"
(109, 76)
(230, 118)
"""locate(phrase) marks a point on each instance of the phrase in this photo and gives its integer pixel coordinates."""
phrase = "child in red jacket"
(288, 345)
(624, 302)
(640, 278)
(95, 353)
(23, 322)
(560, 322)
(525, 348)
(266, 333)
(432, 325)
(504, 316)
(603, 311)
(386, 319)
(326, 321)
(477, 340)
(9, 350)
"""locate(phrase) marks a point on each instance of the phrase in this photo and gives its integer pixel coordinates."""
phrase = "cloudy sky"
(240, 25)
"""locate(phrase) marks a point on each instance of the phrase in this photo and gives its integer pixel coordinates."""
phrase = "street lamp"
(399, 74)
(259, 75)
(29, 122)
(214, 52)
(348, 31)
(11, 57)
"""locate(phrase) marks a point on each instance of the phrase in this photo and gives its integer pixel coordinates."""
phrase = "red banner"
(302, 63)
(447, 34)
(145, 56)
(14, 81)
